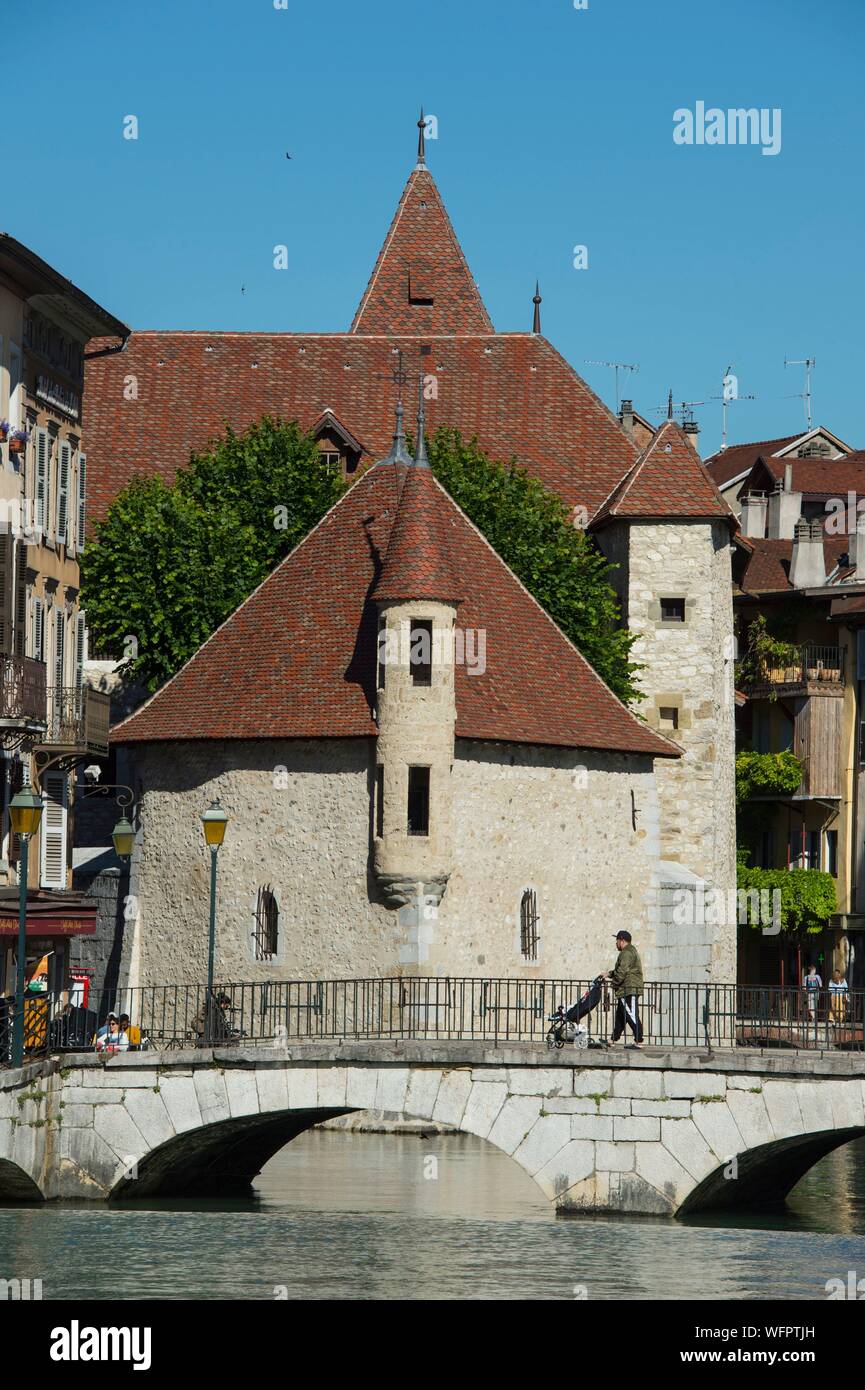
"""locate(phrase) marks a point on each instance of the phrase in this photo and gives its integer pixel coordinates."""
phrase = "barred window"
(529, 925)
(266, 934)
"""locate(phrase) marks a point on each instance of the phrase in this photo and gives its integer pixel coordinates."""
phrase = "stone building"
(551, 811)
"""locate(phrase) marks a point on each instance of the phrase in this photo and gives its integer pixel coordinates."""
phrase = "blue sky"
(555, 129)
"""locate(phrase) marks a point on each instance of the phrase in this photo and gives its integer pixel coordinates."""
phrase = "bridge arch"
(16, 1184)
(765, 1175)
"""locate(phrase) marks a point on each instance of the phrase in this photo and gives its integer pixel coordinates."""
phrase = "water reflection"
(348, 1216)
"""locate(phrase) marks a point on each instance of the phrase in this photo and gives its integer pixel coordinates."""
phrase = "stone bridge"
(617, 1132)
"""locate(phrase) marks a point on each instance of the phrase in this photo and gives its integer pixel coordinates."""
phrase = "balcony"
(23, 699)
(814, 671)
(77, 720)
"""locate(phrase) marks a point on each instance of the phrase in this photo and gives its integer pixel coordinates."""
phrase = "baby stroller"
(566, 1024)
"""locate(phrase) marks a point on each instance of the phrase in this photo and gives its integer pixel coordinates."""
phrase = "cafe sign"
(50, 926)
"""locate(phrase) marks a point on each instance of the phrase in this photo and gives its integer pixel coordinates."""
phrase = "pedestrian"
(627, 980)
(838, 997)
(812, 985)
(132, 1031)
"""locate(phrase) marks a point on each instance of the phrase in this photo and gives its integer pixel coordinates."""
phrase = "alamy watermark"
(737, 906)
(406, 645)
(735, 126)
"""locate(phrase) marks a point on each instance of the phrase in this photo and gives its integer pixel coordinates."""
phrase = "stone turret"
(417, 596)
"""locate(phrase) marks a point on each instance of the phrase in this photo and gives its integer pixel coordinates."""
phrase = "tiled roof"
(667, 480)
(421, 282)
(297, 659)
(768, 567)
(513, 391)
(740, 458)
(418, 563)
(817, 477)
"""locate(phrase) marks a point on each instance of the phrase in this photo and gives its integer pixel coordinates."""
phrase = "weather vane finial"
(536, 300)
(421, 130)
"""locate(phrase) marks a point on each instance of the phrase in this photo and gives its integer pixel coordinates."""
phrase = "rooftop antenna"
(808, 363)
(729, 393)
(617, 367)
(684, 409)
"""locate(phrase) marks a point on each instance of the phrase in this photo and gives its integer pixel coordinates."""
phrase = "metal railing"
(497, 1011)
(78, 718)
(811, 665)
(22, 690)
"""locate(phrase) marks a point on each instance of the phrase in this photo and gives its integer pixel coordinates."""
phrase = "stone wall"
(581, 829)
(688, 667)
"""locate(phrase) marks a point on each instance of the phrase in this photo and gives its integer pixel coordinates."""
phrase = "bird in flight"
(243, 289)
(288, 156)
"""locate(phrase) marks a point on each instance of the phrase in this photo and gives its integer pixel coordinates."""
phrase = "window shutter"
(52, 867)
(7, 550)
(79, 650)
(63, 463)
(82, 500)
(38, 630)
(20, 634)
(59, 646)
(41, 477)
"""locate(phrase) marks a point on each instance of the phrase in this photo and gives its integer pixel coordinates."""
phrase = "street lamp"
(214, 822)
(123, 836)
(25, 813)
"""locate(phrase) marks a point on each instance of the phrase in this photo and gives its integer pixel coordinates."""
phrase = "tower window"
(529, 925)
(668, 716)
(418, 801)
(379, 801)
(266, 934)
(672, 610)
(420, 652)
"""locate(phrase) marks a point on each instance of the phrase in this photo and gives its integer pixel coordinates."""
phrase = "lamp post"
(214, 822)
(25, 812)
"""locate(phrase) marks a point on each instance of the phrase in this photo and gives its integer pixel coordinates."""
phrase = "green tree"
(531, 530)
(170, 562)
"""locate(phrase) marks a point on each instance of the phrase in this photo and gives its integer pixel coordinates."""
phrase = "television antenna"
(808, 363)
(682, 409)
(729, 394)
(617, 367)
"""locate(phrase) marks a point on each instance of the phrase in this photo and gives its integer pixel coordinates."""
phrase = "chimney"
(807, 565)
(692, 431)
(754, 507)
(785, 508)
(626, 415)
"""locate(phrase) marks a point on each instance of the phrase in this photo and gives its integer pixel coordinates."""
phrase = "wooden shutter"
(59, 646)
(38, 630)
(63, 465)
(82, 501)
(79, 650)
(52, 859)
(7, 553)
(20, 635)
(41, 478)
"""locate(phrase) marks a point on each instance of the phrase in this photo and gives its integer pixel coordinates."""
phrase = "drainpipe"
(108, 351)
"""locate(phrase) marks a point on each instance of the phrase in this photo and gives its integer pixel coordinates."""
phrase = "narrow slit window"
(379, 801)
(529, 925)
(420, 652)
(418, 801)
(669, 716)
(382, 652)
(266, 932)
(672, 610)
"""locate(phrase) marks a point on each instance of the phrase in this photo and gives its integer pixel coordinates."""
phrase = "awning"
(48, 914)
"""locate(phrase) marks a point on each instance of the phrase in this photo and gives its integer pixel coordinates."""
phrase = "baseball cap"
(622, 936)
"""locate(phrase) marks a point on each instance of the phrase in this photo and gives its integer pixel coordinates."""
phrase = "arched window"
(529, 924)
(266, 934)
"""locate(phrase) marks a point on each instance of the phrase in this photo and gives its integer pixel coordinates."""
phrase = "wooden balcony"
(23, 698)
(77, 720)
(816, 671)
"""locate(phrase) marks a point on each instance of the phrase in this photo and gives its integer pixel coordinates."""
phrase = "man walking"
(627, 980)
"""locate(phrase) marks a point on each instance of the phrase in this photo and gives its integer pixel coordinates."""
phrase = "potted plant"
(18, 441)
(5, 427)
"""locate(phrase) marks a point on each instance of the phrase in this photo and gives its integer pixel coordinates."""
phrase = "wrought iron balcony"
(23, 700)
(77, 720)
(813, 670)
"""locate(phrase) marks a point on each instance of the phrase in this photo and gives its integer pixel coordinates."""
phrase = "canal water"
(363, 1216)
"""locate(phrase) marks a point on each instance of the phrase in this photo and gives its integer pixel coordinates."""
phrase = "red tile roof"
(768, 568)
(667, 480)
(297, 659)
(739, 458)
(418, 562)
(513, 391)
(815, 477)
(421, 282)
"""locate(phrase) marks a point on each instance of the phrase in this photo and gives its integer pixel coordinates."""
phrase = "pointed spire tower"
(421, 282)
(536, 300)
(417, 592)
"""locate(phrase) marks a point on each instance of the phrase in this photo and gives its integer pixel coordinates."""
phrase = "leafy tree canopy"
(807, 896)
(170, 562)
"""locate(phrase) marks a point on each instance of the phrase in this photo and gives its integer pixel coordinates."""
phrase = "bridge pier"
(655, 1134)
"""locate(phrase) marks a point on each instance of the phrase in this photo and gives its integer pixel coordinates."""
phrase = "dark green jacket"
(627, 976)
